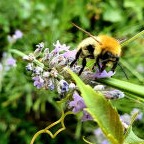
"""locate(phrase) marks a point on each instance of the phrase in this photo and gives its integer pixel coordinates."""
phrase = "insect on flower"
(104, 49)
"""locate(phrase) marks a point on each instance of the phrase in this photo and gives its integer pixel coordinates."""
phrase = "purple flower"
(18, 34)
(105, 142)
(59, 47)
(51, 87)
(70, 54)
(58, 61)
(63, 87)
(125, 118)
(11, 62)
(50, 84)
(140, 114)
(38, 82)
(86, 116)
(78, 103)
(103, 74)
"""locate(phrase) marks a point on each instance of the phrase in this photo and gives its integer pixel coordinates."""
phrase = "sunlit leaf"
(131, 138)
(102, 111)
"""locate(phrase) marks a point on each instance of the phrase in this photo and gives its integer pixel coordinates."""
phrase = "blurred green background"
(23, 109)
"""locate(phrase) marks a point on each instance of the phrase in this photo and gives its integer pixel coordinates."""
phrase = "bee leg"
(103, 66)
(76, 57)
(114, 66)
(83, 66)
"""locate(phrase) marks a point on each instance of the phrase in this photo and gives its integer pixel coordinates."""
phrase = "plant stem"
(133, 38)
(22, 55)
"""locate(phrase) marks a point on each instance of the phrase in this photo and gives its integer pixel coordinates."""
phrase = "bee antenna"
(123, 71)
(89, 34)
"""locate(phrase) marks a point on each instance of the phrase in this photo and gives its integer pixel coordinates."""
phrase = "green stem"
(133, 38)
(17, 52)
(125, 86)
(22, 55)
(78, 130)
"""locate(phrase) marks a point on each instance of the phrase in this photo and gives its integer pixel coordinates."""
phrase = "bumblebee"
(104, 49)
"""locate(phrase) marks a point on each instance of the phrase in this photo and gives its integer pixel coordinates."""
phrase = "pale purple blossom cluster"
(78, 105)
(48, 75)
(51, 75)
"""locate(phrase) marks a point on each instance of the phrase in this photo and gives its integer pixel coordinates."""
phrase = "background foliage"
(24, 109)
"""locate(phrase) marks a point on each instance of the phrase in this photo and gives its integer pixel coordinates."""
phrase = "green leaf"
(102, 111)
(131, 138)
(112, 12)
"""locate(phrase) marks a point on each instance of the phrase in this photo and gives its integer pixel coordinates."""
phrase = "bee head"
(107, 56)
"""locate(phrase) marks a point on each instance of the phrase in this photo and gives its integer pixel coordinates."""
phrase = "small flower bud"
(54, 73)
(86, 116)
(46, 51)
(99, 87)
(59, 47)
(38, 51)
(40, 45)
(63, 87)
(38, 70)
(29, 57)
(50, 84)
(29, 67)
(46, 74)
(72, 86)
